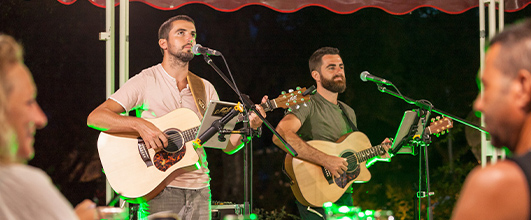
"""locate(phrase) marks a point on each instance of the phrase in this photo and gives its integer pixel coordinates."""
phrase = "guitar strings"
(357, 154)
(177, 136)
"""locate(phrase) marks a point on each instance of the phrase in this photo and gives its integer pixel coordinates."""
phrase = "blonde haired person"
(26, 192)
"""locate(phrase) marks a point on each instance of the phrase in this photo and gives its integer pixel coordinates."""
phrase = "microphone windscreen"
(363, 76)
(195, 49)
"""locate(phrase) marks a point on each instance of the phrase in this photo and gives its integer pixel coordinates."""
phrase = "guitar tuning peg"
(290, 90)
(283, 92)
(298, 88)
(289, 110)
(438, 117)
(297, 106)
(287, 103)
(302, 99)
(437, 135)
(432, 119)
(443, 132)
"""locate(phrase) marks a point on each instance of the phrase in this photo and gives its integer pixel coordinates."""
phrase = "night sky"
(427, 54)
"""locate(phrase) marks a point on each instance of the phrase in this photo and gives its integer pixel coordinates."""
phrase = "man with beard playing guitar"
(325, 119)
(160, 90)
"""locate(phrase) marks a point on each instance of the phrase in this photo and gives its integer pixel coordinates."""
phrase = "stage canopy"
(397, 7)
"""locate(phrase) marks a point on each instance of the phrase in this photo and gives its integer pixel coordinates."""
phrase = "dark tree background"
(427, 54)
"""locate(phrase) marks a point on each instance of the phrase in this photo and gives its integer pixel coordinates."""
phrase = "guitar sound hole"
(351, 160)
(175, 141)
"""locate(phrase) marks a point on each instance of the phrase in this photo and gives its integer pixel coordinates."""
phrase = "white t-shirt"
(28, 193)
(156, 93)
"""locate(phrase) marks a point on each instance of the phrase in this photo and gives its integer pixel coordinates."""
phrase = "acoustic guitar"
(314, 185)
(139, 174)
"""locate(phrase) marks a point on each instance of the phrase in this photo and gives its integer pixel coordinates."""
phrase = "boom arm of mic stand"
(250, 105)
(424, 106)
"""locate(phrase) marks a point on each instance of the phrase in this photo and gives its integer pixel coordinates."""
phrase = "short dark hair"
(165, 28)
(316, 58)
(515, 51)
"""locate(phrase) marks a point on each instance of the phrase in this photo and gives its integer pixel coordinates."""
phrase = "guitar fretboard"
(190, 134)
(366, 154)
(269, 105)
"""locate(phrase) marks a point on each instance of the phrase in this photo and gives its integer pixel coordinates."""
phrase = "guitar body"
(312, 185)
(141, 178)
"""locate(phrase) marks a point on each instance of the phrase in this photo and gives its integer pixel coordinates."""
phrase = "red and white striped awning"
(397, 7)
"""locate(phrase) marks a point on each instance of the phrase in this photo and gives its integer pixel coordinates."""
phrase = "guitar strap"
(354, 128)
(198, 91)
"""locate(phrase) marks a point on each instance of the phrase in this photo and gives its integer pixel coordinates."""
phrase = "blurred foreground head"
(20, 114)
(506, 100)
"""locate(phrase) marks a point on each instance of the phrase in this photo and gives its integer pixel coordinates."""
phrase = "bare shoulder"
(495, 192)
(503, 174)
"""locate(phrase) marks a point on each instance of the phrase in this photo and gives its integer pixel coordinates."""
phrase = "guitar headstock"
(293, 98)
(440, 125)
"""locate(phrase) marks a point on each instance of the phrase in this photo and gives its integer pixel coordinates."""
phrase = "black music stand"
(421, 138)
(410, 128)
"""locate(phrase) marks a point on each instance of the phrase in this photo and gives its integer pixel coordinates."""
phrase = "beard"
(181, 56)
(333, 86)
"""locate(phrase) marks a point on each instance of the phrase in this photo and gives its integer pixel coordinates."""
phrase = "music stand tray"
(216, 110)
(409, 128)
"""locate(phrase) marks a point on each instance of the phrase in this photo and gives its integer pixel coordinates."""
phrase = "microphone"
(197, 49)
(366, 76)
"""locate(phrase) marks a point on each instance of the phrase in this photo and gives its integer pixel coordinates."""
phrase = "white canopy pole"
(124, 41)
(487, 151)
(108, 37)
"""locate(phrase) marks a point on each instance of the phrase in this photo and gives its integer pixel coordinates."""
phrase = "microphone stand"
(247, 134)
(383, 89)
(424, 140)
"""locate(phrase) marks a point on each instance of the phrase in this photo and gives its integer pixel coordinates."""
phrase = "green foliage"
(400, 199)
(447, 187)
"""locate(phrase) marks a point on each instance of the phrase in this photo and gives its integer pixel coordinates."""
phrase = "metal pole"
(501, 15)
(482, 36)
(124, 41)
(108, 37)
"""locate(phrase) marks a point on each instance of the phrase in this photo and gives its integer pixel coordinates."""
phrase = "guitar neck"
(269, 105)
(189, 135)
(364, 155)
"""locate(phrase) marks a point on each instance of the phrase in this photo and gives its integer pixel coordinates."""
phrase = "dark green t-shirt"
(323, 120)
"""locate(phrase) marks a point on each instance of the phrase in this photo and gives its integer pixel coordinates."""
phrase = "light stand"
(423, 141)
(246, 132)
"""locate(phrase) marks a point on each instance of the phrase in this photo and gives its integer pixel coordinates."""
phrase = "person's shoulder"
(207, 83)
(497, 175)
(150, 74)
(347, 107)
(492, 192)
(152, 71)
(500, 182)
(22, 174)
(21, 168)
